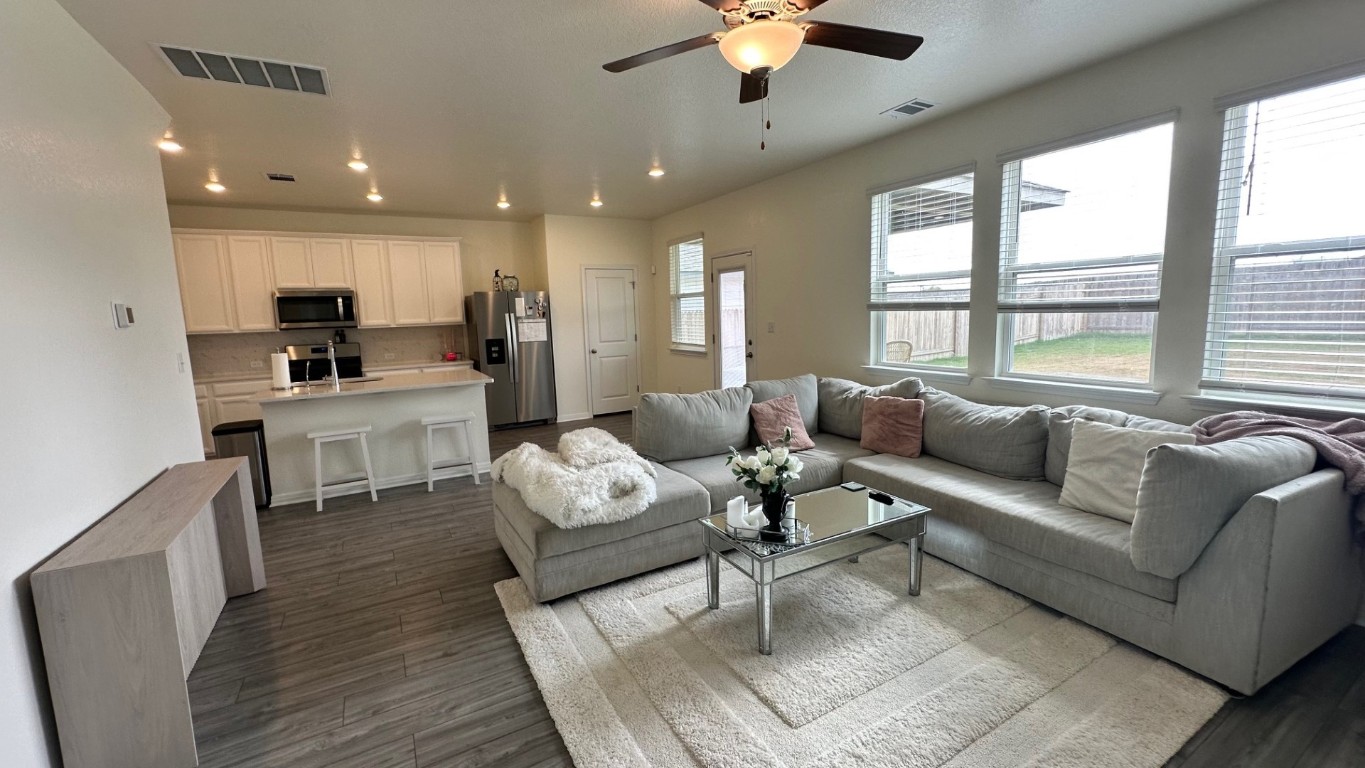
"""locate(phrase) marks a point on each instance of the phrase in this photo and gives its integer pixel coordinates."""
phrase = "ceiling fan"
(763, 35)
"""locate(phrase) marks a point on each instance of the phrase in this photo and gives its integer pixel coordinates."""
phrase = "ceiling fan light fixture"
(762, 43)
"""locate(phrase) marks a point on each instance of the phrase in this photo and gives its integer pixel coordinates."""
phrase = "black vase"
(774, 507)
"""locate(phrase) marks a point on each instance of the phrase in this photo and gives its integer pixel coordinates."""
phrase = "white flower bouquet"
(768, 471)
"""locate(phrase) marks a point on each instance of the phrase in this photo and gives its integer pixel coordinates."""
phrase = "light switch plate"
(123, 315)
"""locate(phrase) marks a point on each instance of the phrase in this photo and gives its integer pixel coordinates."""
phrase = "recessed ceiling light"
(214, 186)
(596, 203)
(374, 197)
(169, 144)
(358, 165)
(503, 204)
(656, 172)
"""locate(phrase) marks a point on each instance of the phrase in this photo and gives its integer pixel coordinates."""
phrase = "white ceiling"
(452, 102)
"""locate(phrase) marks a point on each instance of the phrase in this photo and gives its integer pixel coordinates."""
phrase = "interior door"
(733, 343)
(609, 300)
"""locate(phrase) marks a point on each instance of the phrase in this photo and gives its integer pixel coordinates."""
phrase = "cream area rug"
(642, 673)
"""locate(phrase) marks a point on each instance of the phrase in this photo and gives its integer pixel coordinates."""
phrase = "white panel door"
(253, 285)
(408, 282)
(293, 268)
(445, 291)
(329, 262)
(205, 289)
(609, 301)
(371, 274)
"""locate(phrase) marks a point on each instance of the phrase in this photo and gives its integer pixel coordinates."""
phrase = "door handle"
(511, 346)
(341, 309)
(593, 351)
(749, 355)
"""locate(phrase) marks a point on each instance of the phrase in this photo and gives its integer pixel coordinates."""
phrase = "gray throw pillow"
(1005, 441)
(841, 403)
(671, 427)
(1189, 492)
(1155, 425)
(805, 389)
(1060, 422)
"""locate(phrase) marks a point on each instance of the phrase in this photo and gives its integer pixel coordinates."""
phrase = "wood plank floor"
(379, 643)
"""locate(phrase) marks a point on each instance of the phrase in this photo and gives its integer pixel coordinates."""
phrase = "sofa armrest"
(1281, 578)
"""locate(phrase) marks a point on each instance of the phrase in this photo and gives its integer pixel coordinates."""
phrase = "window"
(1287, 305)
(687, 295)
(1082, 233)
(921, 272)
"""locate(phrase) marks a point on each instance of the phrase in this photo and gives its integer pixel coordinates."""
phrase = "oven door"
(315, 309)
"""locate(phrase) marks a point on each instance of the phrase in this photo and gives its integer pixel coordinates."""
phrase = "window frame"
(676, 297)
(1011, 196)
(877, 310)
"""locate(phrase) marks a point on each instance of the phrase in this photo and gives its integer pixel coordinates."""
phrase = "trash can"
(246, 438)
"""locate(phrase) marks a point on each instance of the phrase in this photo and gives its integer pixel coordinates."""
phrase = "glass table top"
(831, 513)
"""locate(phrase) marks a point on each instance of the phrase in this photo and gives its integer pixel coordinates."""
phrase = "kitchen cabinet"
(445, 291)
(310, 262)
(408, 283)
(205, 293)
(202, 403)
(253, 285)
(373, 301)
(232, 400)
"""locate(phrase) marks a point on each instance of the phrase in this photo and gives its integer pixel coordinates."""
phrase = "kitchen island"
(393, 405)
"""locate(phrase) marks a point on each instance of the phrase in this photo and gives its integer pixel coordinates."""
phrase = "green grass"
(1101, 355)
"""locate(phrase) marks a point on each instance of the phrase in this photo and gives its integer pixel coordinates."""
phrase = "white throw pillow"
(1105, 467)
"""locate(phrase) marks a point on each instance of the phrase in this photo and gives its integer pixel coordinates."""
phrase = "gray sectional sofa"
(1239, 561)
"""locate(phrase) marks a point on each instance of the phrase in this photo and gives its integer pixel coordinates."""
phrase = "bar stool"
(331, 436)
(433, 423)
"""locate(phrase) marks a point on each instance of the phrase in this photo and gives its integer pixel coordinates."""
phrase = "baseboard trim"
(283, 499)
(574, 417)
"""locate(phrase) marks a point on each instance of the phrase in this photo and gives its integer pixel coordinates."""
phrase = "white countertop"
(264, 375)
(399, 382)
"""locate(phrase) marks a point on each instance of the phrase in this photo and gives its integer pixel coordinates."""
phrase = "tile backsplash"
(231, 354)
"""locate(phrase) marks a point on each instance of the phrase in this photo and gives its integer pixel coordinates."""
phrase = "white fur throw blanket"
(593, 479)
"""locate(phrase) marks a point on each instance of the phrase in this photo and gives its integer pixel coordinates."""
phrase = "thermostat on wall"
(123, 315)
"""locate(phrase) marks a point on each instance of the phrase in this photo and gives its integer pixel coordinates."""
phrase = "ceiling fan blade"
(874, 42)
(640, 59)
(808, 5)
(752, 88)
(726, 5)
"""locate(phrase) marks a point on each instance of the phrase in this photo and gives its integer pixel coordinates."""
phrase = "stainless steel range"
(308, 363)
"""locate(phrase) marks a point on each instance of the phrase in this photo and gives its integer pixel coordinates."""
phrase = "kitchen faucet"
(332, 358)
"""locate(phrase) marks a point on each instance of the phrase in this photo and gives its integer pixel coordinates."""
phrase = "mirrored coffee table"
(843, 525)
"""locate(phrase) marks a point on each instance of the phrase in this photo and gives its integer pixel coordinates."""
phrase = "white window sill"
(1104, 392)
(931, 375)
(689, 351)
(1315, 407)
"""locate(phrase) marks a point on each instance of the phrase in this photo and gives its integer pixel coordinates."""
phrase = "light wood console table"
(125, 609)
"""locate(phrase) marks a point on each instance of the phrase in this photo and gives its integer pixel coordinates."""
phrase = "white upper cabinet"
(253, 285)
(408, 282)
(293, 268)
(331, 268)
(445, 291)
(205, 291)
(372, 295)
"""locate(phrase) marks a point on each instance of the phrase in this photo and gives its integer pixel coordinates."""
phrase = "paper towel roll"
(279, 370)
(734, 512)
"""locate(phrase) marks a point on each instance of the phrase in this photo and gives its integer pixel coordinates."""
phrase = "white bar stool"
(331, 436)
(433, 423)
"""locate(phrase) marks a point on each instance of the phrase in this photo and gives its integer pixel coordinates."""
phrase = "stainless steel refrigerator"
(511, 342)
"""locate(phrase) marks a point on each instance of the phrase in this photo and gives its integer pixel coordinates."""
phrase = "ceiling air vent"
(230, 68)
(289, 177)
(909, 109)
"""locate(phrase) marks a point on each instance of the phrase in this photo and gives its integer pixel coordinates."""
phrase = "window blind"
(687, 293)
(1287, 300)
(1083, 228)
(920, 259)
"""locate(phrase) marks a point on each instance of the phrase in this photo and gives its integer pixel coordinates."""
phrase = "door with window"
(609, 303)
(733, 343)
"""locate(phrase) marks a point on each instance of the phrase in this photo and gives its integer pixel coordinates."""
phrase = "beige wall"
(484, 247)
(575, 242)
(82, 224)
(809, 229)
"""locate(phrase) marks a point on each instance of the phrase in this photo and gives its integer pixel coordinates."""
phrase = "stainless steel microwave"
(315, 309)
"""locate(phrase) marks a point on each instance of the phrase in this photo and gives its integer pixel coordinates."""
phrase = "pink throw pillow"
(771, 419)
(893, 425)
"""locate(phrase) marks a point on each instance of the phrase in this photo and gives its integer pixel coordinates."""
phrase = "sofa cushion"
(1019, 514)
(679, 499)
(1188, 492)
(1155, 425)
(669, 427)
(893, 425)
(1059, 426)
(772, 418)
(1007, 441)
(823, 468)
(1102, 477)
(841, 403)
(804, 387)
